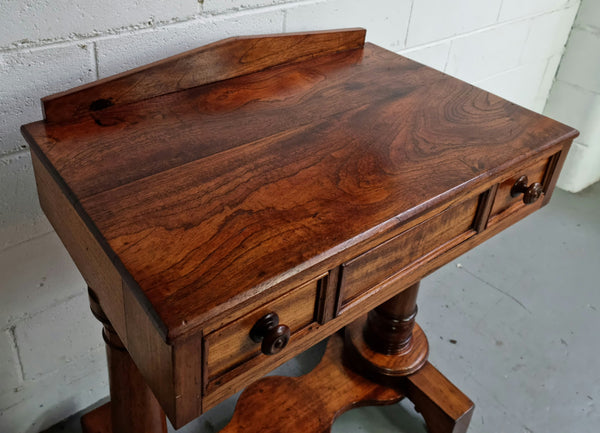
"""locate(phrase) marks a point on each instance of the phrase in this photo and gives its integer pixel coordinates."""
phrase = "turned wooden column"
(133, 407)
(388, 347)
(388, 343)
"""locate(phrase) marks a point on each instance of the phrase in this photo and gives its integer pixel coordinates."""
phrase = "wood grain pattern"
(445, 408)
(372, 267)
(198, 123)
(225, 217)
(231, 345)
(91, 260)
(133, 407)
(204, 202)
(374, 365)
(377, 295)
(98, 420)
(214, 62)
(152, 356)
(192, 232)
(188, 379)
(309, 403)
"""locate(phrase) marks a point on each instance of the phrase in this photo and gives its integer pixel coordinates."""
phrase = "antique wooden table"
(231, 206)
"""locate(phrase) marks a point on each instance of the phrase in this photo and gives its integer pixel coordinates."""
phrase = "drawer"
(428, 238)
(537, 172)
(231, 345)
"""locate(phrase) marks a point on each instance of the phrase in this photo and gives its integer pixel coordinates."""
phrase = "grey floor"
(514, 323)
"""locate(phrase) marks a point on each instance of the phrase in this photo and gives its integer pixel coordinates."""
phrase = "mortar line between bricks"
(281, 5)
(477, 83)
(577, 86)
(37, 236)
(16, 354)
(492, 26)
(544, 75)
(499, 10)
(284, 23)
(10, 154)
(116, 32)
(57, 42)
(447, 57)
(95, 58)
(91, 37)
(412, 5)
(13, 323)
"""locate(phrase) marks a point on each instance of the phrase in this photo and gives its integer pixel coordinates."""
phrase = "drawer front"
(231, 345)
(436, 234)
(504, 200)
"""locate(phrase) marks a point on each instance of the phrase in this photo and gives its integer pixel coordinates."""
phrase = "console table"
(233, 205)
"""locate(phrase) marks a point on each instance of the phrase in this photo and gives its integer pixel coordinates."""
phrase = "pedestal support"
(133, 407)
(390, 348)
(387, 344)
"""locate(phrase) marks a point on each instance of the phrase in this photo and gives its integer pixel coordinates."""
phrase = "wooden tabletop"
(207, 197)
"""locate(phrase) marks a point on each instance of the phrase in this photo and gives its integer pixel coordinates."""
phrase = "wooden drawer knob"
(530, 193)
(274, 336)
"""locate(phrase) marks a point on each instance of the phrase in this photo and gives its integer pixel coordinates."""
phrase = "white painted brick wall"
(51, 360)
(10, 374)
(575, 98)
(20, 215)
(219, 6)
(514, 9)
(432, 20)
(139, 48)
(386, 21)
(70, 339)
(27, 74)
(29, 21)
(36, 275)
(475, 57)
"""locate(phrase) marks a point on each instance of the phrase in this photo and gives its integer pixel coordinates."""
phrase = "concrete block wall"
(51, 356)
(575, 98)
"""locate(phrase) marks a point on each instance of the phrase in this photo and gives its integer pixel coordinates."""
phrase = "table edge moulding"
(233, 205)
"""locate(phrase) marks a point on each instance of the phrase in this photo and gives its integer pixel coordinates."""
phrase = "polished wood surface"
(391, 349)
(133, 407)
(444, 407)
(215, 62)
(336, 175)
(389, 327)
(451, 226)
(309, 403)
(189, 209)
(229, 346)
(387, 344)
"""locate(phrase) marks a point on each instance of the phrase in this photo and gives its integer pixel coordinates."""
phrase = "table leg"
(133, 407)
(390, 348)
(387, 344)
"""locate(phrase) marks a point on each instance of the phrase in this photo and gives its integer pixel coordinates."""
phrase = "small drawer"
(533, 179)
(432, 236)
(231, 345)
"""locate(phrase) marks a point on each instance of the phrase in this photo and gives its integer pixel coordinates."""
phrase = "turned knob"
(530, 193)
(274, 336)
